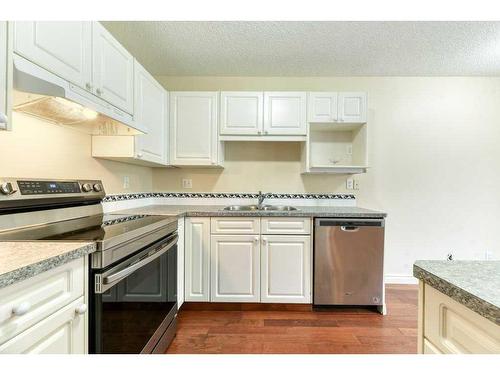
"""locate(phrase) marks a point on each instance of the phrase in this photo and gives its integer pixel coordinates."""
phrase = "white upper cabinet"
(151, 115)
(113, 70)
(235, 268)
(241, 112)
(285, 113)
(193, 127)
(286, 269)
(4, 86)
(352, 107)
(63, 48)
(322, 107)
(325, 107)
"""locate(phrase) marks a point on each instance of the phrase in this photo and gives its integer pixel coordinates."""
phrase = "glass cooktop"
(89, 228)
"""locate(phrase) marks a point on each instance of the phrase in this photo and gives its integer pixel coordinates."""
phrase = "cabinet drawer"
(453, 328)
(235, 225)
(286, 225)
(60, 333)
(39, 297)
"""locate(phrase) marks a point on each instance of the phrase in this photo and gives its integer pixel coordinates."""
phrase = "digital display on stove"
(48, 187)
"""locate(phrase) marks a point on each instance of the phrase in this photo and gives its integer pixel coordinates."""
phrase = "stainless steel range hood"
(42, 94)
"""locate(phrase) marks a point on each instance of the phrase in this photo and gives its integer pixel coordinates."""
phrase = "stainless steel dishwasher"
(349, 262)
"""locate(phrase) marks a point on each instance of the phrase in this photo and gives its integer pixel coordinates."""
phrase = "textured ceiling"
(313, 48)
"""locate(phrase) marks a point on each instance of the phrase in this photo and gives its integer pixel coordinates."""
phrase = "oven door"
(134, 303)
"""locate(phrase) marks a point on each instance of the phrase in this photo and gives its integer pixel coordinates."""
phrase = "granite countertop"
(22, 260)
(474, 284)
(207, 210)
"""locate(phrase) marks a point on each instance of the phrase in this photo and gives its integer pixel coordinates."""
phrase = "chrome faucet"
(261, 198)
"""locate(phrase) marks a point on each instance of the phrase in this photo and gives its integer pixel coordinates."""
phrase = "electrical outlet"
(349, 184)
(356, 185)
(126, 182)
(187, 183)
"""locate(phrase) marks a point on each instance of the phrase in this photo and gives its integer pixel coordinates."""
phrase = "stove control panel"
(10, 187)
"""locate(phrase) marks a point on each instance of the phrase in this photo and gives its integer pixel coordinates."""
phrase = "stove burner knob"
(97, 187)
(86, 187)
(6, 188)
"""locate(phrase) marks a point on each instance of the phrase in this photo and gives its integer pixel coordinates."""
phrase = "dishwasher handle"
(349, 225)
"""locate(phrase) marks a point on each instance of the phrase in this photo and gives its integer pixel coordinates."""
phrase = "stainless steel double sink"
(260, 208)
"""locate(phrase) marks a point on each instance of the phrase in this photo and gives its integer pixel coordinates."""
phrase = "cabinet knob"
(256, 239)
(259, 132)
(88, 86)
(265, 132)
(3, 118)
(264, 241)
(139, 156)
(82, 309)
(21, 309)
(99, 92)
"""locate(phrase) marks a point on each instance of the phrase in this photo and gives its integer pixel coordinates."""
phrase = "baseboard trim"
(400, 279)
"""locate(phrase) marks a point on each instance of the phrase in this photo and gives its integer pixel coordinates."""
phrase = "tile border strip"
(130, 196)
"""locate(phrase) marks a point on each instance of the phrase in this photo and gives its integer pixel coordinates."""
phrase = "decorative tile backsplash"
(122, 197)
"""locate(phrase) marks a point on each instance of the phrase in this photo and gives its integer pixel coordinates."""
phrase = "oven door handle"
(120, 275)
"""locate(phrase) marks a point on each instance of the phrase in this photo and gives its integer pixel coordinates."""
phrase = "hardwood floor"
(258, 329)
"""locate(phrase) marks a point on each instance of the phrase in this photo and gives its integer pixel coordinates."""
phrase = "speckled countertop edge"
(464, 297)
(34, 269)
(217, 211)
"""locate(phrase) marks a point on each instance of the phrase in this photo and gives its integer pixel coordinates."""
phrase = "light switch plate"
(126, 182)
(187, 183)
(349, 184)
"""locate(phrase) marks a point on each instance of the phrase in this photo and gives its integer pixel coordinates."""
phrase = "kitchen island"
(459, 306)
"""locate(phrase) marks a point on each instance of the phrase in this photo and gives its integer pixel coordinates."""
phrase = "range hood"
(42, 94)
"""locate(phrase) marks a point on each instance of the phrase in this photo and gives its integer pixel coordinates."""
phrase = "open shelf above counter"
(335, 148)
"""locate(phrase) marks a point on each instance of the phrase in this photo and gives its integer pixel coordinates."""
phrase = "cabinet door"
(234, 268)
(352, 107)
(242, 112)
(150, 113)
(113, 70)
(61, 333)
(322, 107)
(180, 262)
(286, 269)
(193, 125)
(285, 113)
(63, 48)
(197, 259)
(3, 75)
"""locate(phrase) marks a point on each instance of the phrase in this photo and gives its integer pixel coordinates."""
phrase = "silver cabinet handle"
(82, 309)
(21, 309)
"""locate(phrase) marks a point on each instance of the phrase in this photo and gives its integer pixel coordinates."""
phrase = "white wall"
(38, 149)
(434, 149)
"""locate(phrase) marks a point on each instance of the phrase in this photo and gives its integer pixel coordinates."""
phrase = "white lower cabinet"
(236, 260)
(446, 326)
(46, 313)
(234, 268)
(180, 262)
(286, 269)
(197, 259)
(61, 333)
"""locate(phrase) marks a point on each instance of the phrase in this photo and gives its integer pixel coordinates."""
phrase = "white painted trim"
(400, 279)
